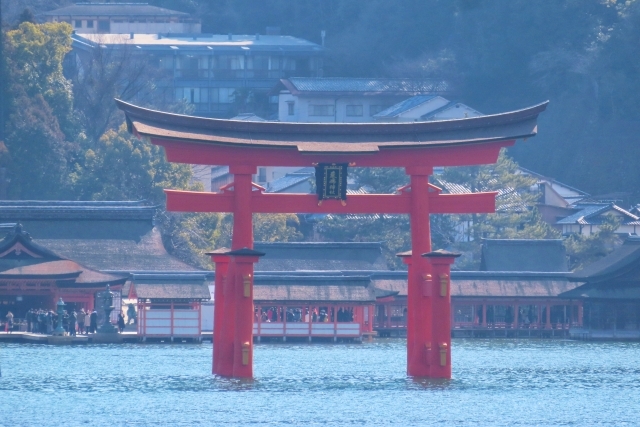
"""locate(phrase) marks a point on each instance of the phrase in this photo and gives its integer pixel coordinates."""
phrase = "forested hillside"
(60, 136)
(499, 55)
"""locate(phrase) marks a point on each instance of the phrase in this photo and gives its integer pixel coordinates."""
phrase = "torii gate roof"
(337, 138)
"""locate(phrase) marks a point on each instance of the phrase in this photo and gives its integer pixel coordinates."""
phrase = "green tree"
(123, 167)
(34, 58)
(583, 250)
(39, 114)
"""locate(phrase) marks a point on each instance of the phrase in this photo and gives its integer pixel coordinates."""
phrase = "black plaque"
(331, 181)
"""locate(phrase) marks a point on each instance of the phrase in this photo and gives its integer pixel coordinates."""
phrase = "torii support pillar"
(418, 301)
(221, 261)
(440, 353)
(240, 276)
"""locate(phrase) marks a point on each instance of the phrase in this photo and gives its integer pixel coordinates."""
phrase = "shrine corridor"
(495, 382)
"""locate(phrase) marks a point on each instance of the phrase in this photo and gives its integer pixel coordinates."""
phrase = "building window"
(321, 110)
(290, 106)
(192, 95)
(222, 95)
(89, 23)
(354, 110)
(375, 109)
(262, 174)
(103, 26)
(78, 23)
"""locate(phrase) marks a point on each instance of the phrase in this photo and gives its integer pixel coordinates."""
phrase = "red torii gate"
(416, 146)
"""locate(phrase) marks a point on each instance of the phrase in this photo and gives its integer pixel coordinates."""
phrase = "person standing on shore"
(9, 325)
(72, 323)
(81, 318)
(93, 318)
(120, 322)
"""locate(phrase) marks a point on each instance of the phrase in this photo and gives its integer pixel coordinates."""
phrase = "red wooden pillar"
(241, 276)
(221, 260)
(440, 354)
(419, 315)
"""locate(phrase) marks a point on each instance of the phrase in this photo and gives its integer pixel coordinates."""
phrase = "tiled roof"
(114, 9)
(364, 85)
(406, 105)
(617, 262)
(543, 255)
(589, 212)
(289, 180)
(22, 210)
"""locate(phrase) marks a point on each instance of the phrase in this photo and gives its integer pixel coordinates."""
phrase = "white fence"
(281, 329)
(178, 323)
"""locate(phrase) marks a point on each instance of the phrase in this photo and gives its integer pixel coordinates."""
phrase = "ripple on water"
(496, 382)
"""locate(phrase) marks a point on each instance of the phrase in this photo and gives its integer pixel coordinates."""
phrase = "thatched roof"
(168, 291)
(310, 288)
(114, 236)
(490, 284)
(295, 256)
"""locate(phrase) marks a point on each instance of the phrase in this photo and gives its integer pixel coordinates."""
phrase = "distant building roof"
(452, 104)
(294, 256)
(523, 255)
(346, 85)
(590, 214)
(403, 106)
(114, 9)
(251, 117)
(71, 210)
(290, 179)
(197, 42)
(110, 236)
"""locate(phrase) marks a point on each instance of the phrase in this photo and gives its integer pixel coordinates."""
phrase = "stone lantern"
(107, 306)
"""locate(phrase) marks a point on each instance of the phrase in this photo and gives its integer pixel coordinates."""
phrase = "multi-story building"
(346, 100)
(123, 18)
(216, 73)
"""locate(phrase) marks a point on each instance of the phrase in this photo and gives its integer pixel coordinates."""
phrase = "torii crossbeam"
(417, 147)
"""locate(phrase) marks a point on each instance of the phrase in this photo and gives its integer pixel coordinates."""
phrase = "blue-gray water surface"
(495, 382)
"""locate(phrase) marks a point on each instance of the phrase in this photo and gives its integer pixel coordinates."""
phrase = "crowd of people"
(40, 321)
(316, 315)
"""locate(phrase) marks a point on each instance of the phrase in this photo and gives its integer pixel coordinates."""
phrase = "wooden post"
(221, 261)
(420, 313)
(243, 260)
(548, 320)
(441, 312)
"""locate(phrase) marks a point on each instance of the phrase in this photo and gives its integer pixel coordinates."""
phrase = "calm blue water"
(496, 382)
